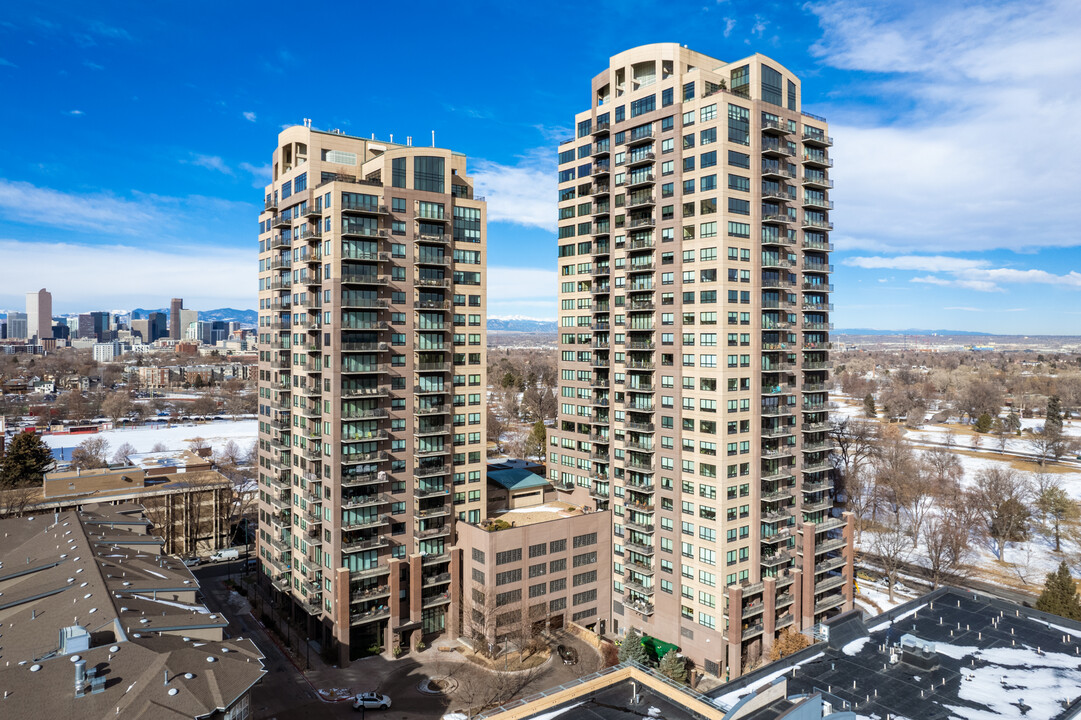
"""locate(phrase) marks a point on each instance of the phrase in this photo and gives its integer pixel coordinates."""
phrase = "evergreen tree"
(673, 667)
(25, 463)
(534, 442)
(632, 649)
(869, 406)
(983, 423)
(1053, 422)
(1059, 595)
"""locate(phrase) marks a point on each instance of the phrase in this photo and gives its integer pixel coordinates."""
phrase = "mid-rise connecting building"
(694, 350)
(372, 382)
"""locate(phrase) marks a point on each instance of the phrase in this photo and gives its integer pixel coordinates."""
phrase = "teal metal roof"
(516, 478)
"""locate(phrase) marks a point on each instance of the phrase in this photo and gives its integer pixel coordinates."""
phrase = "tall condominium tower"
(176, 328)
(39, 315)
(373, 375)
(694, 340)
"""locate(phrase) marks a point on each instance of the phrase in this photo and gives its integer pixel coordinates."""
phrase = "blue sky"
(139, 137)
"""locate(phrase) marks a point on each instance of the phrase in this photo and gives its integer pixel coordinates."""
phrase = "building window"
(428, 173)
(397, 166)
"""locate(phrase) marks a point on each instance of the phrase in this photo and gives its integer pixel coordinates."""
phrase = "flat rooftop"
(534, 514)
(949, 655)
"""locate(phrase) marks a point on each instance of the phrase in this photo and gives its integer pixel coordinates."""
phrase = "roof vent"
(73, 639)
(918, 653)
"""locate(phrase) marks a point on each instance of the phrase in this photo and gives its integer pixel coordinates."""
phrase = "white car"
(371, 701)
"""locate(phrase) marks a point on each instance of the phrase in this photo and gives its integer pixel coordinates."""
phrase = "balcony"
(638, 605)
(639, 180)
(817, 159)
(775, 127)
(366, 208)
(774, 147)
(634, 203)
(639, 548)
(420, 493)
(280, 221)
(830, 545)
(600, 169)
(364, 278)
(433, 532)
(363, 479)
(819, 203)
(431, 470)
(366, 522)
(635, 159)
(775, 559)
(829, 603)
(366, 392)
(434, 511)
(810, 244)
(817, 139)
(817, 181)
(812, 224)
(373, 615)
(364, 458)
(645, 222)
(640, 138)
(601, 128)
(777, 171)
(359, 501)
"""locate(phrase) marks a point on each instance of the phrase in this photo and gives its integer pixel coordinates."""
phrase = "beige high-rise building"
(39, 315)
(373, 375)
(694, 338)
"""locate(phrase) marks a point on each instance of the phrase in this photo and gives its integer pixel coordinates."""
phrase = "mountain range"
(244, 317)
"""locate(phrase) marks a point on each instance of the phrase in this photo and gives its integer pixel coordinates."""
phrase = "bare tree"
(862, 491)
(15, 500)
(1001, 497)
(495, 427)
(1049, 443)
(120, 457)
(892, 546)
(914, 493)
(947, 541)
(91, 453)
(116, 405)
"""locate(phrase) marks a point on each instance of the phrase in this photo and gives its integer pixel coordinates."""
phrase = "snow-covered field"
(1026, 563)
(173, 437)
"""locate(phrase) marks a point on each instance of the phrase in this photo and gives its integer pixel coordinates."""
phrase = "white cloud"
(7, 63)
(729, 26)
(75, 112)
(27, 203)
(925, 263)
(92, 65)
(249, 116)
(210, 162)
(510, 290)
(260, 174)
(964, 309)
(523, 194)
(203, 276)
(973, 98)
(981, 285)
(142, 215)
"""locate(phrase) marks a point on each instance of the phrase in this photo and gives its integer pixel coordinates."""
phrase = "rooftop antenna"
(392, 137)
(409, 141)
(433, 138)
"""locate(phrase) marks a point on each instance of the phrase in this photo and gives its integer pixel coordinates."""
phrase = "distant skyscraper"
(17, 326)
(187, 317)
(39, 315)
(94, 325)
(175, 306)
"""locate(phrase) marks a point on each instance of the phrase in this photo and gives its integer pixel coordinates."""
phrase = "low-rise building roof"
(72, 588)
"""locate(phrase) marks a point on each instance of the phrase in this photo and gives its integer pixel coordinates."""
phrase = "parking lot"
(287, 692)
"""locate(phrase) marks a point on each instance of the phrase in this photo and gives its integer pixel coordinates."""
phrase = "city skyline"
(112, 168)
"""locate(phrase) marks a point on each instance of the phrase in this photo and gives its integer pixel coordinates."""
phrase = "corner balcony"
(817, 159)
(817, 139)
